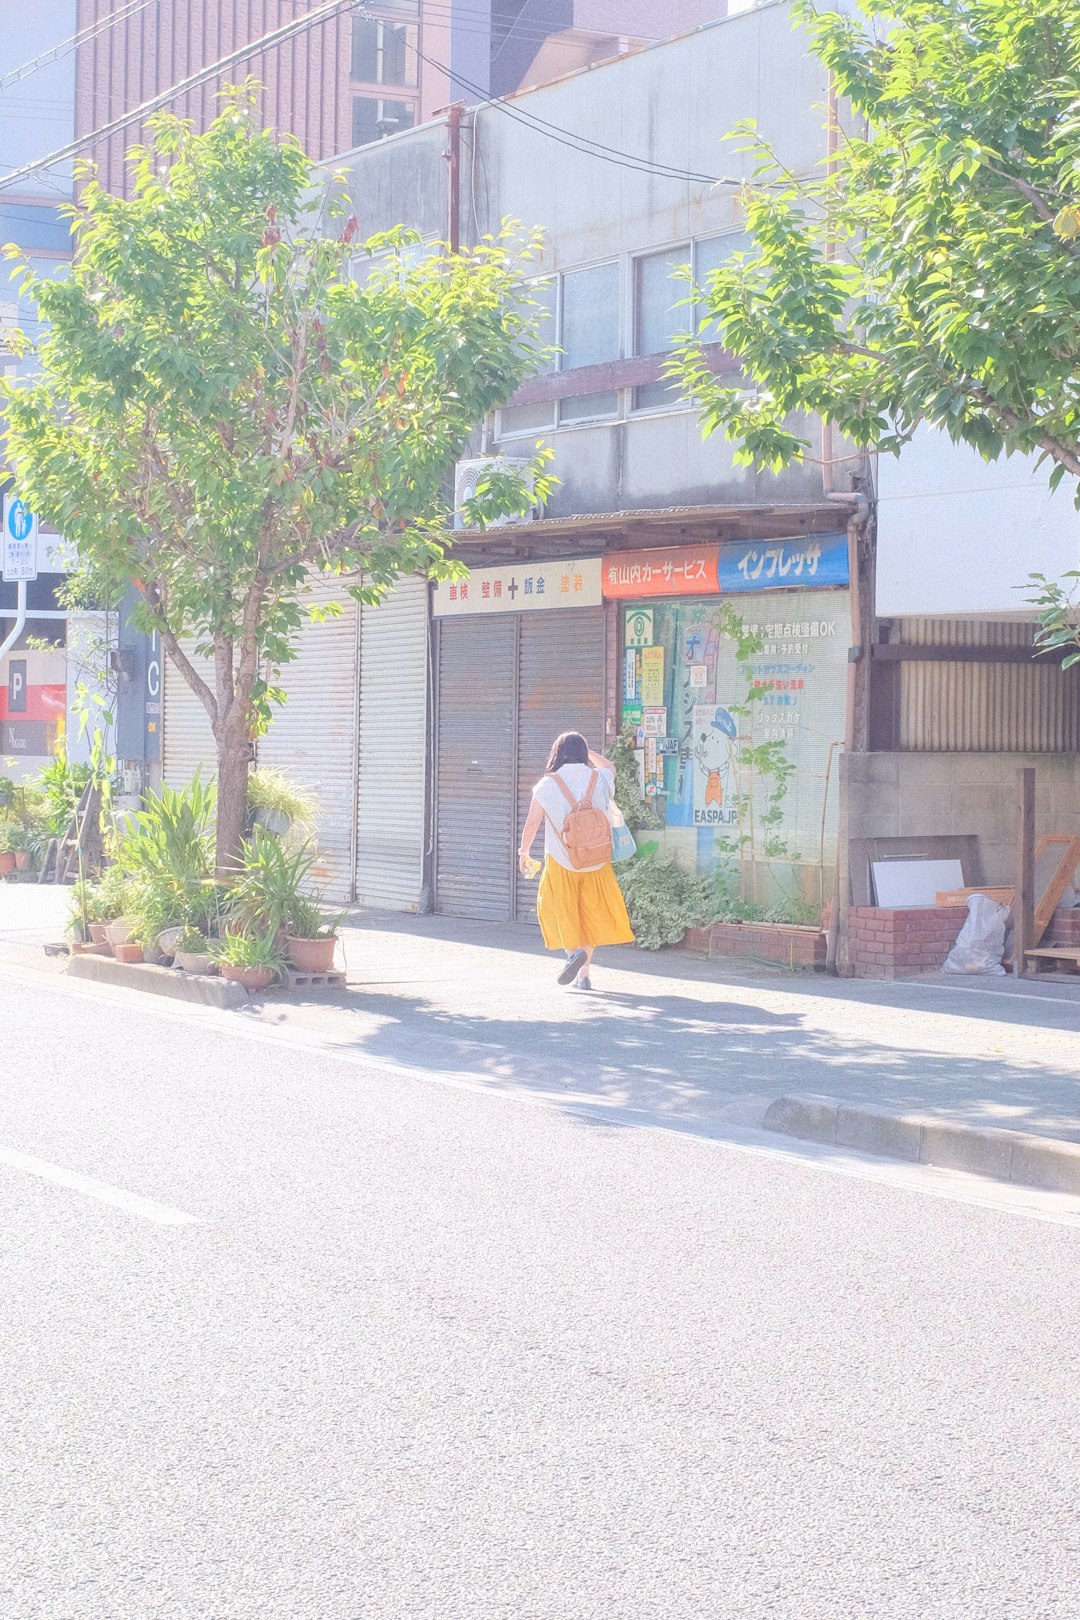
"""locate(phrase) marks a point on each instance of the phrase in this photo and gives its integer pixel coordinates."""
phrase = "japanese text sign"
(521, 588)
(678, 571)
(760, 565)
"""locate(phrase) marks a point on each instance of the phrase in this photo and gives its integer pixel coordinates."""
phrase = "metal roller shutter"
(312, 737)
(391, 825)
(187, 742)
(475, 757)
(561, 688)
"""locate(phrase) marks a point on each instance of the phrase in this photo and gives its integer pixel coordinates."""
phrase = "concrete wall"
(958, 536)
(916, 796)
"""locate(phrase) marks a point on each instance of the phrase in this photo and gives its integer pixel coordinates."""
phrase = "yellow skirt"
(581, 908)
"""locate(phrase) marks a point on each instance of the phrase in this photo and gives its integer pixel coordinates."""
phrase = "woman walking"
(579, 906)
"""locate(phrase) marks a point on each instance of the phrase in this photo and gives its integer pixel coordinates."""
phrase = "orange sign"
(680, 571)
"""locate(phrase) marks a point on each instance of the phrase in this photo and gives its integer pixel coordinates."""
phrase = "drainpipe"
(20, 620)
(453, 158)
(838, 958)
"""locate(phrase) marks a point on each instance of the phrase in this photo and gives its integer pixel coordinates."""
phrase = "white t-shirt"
(550, 796)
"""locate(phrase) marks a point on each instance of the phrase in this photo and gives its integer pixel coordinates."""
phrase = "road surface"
(287, 1335)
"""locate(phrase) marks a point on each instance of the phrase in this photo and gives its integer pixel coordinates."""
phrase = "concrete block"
(875, 1130)
(983, 770)
(812, 1119)
(976, 1148)
(208, 991)
(1045, 1162)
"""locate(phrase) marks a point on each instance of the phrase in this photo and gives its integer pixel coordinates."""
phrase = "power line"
(276, 36)
(92, 30)
(577, 142)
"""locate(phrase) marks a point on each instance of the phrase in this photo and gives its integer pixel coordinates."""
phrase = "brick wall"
(788, 946)
(894, 944)
(1064, 927)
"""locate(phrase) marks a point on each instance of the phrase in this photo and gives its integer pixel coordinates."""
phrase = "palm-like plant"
(269, 883)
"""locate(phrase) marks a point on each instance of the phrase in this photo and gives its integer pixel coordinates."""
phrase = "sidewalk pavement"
(663, 1034)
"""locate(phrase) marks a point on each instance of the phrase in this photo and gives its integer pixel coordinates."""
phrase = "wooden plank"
(960, 897)
(1024, 904)
(1063, 953)
(1050, 898)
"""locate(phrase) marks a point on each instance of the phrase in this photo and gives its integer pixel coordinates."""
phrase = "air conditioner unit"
(468, 474)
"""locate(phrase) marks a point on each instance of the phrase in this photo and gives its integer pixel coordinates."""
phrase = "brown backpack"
(586, 832)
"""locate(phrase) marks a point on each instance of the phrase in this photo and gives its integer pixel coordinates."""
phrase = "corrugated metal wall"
(187, 742)
(508, 684)
(475, 782)
(391, 824)
(981, 707)
(560, 688)
(312, 737)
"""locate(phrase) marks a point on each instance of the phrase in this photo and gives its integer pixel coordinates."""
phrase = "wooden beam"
(1024, 907)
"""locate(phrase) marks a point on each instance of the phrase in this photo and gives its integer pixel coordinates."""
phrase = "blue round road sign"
(20, 520)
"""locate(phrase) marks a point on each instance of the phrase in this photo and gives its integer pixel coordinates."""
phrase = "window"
(373, 118)
(709, 255)
(536, 418)
(589, 335)
(383, 52)
(660, 315)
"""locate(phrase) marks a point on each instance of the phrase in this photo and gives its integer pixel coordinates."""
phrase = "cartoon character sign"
(714, 737)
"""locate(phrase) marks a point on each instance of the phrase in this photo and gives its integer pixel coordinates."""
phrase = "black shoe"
(570, 972)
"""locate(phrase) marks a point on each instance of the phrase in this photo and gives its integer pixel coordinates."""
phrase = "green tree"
(222, 410)
(929, 270)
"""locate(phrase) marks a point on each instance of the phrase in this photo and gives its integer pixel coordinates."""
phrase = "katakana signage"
(678, 571)
(776, 565)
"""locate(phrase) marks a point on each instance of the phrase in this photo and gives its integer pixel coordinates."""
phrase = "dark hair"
(569, 749)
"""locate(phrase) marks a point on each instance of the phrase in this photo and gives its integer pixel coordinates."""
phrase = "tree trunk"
(234, 762)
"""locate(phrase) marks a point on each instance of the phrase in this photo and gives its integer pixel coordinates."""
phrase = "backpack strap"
(571, 801)
(585, 802)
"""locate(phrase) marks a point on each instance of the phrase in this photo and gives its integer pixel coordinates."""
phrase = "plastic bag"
(623, 847)
(980, 944)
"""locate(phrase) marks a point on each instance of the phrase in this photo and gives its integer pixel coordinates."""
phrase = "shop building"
(642, 642)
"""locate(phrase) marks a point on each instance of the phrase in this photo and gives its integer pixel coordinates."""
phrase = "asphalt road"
(315, 1339)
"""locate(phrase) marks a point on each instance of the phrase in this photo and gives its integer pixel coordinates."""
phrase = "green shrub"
(663, 900)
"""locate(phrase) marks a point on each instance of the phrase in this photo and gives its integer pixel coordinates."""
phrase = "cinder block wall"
(918, 795)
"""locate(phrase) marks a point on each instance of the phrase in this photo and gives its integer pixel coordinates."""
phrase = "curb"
(1048, 1162)
(207, 991)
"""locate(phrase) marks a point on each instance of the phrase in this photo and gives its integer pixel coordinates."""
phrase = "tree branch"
(189, 672)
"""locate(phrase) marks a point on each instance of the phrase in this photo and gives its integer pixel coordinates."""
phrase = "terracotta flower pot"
(312, 955)
(118, 932)
(99, 933)
(7, 862)
(194, 962)
(252, 978)
(128, 952)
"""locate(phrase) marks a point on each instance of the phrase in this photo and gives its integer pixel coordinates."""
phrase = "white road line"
(163, 1214)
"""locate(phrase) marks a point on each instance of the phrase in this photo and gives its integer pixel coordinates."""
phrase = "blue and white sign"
(20, 540)
(775, 565)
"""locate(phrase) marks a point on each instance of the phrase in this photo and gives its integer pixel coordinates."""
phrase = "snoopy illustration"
(712, 750)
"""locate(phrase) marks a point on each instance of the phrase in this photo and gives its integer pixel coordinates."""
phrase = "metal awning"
(658, 526)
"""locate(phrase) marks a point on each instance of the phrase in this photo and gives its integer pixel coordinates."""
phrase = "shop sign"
(655, 722)
(520, 588)
(714, 739)
(676, 571)
(770, 565)
(639, 627)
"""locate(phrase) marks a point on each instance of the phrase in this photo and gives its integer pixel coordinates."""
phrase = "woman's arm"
(528, 834)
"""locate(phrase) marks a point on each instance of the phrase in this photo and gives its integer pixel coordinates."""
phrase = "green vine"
(640, 814)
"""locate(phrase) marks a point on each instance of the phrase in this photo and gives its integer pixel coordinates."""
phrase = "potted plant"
(7, 854)
(191, 952)
(270, 881)
(312, 939)
(20, 844)
(251, 959)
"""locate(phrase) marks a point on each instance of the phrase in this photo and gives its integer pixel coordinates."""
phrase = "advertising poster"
(713, 745)
(652, 677)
